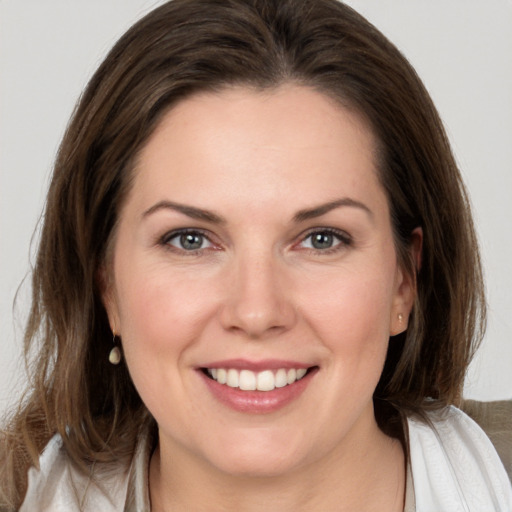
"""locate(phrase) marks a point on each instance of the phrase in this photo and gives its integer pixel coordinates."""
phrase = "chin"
(258, 458)
(260, 466)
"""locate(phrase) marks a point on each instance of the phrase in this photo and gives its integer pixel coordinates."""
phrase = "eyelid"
(165, 239)
(345, 240)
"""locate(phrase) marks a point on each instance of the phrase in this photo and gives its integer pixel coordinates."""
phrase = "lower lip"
(258, 402)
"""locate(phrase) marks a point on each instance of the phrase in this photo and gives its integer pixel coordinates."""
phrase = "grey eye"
(187, 241)
(191, 241)
(322, 240)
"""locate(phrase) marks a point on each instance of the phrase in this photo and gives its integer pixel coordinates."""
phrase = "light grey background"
(461, 48)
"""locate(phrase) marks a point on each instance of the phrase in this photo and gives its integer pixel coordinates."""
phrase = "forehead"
(304, 114)
(283, 141)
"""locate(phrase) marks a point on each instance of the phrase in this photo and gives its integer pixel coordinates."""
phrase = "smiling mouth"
(266, 380)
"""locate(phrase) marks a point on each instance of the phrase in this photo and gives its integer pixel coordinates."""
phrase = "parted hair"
(189, 46)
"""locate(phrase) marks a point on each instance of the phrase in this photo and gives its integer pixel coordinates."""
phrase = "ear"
(106, 287)
(405, 291)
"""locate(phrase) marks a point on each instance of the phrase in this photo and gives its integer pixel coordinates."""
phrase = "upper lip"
(256, 366)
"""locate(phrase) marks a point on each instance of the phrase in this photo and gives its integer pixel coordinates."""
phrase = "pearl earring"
(400, 317)
(114, 356)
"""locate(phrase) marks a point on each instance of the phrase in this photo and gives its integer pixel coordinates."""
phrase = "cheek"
(161, 318)
(351, 314)
(162, 313)
(355, 299)
(158, 309)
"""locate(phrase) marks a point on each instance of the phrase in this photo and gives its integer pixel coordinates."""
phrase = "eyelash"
(344, 240)
(166, 239)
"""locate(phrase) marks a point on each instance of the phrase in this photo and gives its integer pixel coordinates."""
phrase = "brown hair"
(187, 46)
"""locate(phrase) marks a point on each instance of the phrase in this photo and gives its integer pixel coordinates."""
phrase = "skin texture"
(258, 289)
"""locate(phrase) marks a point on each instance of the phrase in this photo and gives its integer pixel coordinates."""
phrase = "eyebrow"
(318, 211)
(189, 211)
(300, 216)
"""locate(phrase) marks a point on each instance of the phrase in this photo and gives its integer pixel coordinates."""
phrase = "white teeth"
(265, 381)
(248, 380)
(301, 372)
(281, 378)
(222, 375)
(291, 377)
(232, 380)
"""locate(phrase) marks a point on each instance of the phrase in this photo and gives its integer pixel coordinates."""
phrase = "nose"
(258, 300)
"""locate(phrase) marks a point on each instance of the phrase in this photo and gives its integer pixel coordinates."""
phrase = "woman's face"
(256, 247)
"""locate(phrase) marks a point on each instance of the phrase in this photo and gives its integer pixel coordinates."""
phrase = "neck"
(367, 476)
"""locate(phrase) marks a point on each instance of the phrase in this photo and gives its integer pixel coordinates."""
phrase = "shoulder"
(454, 465)
(59, 485)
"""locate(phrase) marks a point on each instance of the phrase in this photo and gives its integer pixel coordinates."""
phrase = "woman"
(258, 285)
